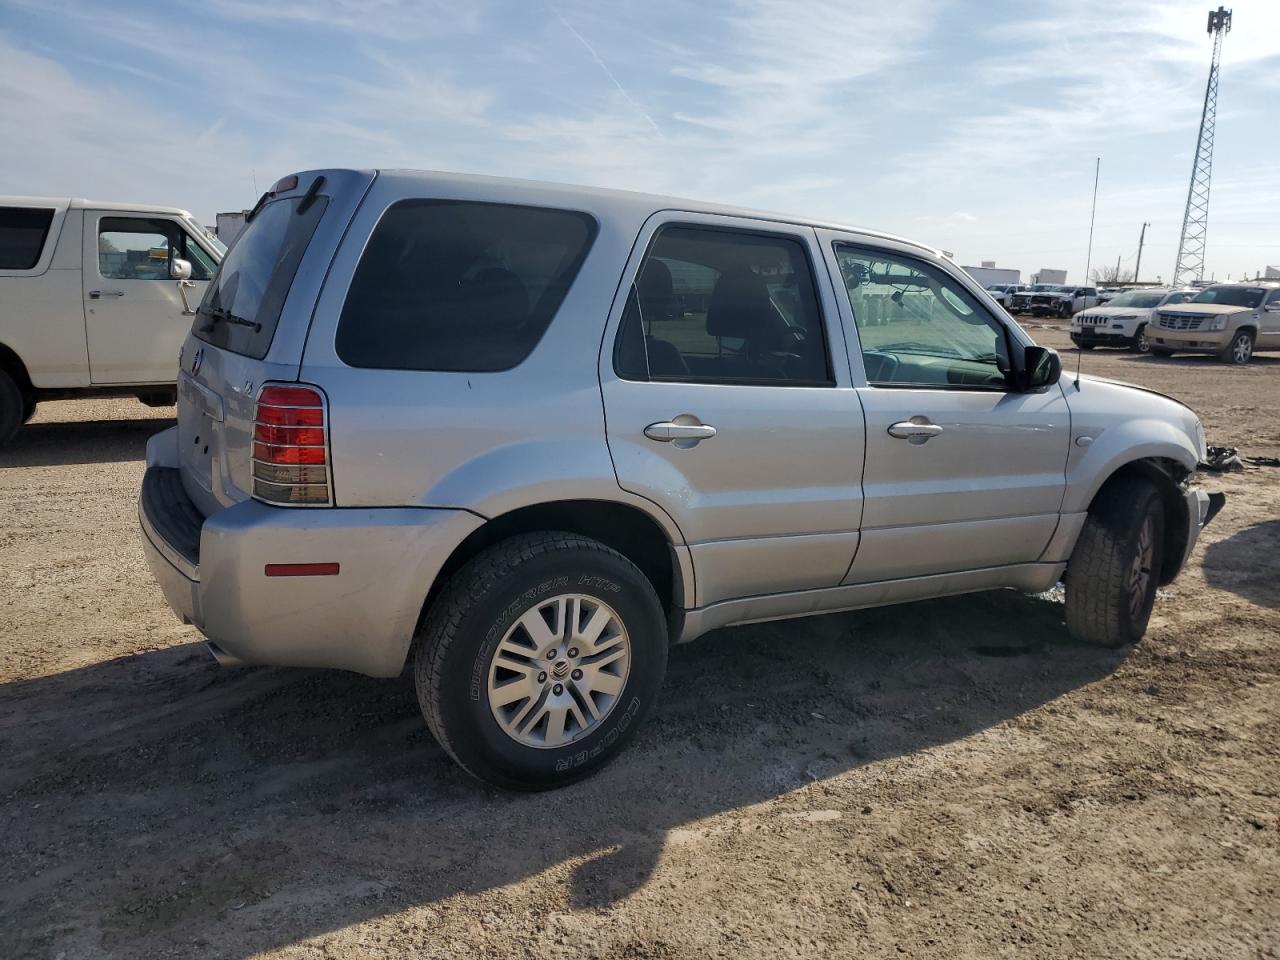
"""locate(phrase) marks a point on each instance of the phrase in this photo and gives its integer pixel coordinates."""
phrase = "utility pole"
(1088, 262)
(1137, 267)
(1195, 221)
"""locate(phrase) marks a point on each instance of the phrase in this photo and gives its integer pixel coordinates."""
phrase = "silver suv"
(528, 436)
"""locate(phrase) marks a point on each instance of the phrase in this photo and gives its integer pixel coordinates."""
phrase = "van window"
(242, 306)
(22, 235)
(453, 285)
(140, 248)
(723, 306)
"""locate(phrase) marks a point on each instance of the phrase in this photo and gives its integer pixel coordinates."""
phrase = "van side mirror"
(1041, 367)
(179, 269)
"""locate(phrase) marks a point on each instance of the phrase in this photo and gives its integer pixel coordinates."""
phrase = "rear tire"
(1115, 566)
(576, 695)
(1240, 350)
(13, 408)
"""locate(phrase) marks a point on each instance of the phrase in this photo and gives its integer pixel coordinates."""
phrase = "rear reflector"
(301, 570)
(291, 448)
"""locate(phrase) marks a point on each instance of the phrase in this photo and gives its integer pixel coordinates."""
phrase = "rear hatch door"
(252, 324)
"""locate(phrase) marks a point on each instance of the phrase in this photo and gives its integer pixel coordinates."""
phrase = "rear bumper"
(360, 619)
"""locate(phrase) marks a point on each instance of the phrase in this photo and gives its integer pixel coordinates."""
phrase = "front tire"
(1240, 350)
(1115, 566)
(539, 660)
(1141, 344)
(13, 408)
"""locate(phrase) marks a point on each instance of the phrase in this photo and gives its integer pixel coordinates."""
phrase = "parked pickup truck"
(95, 298)
(1055, 300)
(526, 436)
(1229, 320)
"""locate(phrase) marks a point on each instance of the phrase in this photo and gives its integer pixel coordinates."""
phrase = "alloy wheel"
(1242, 349)
(559, 670)
(1140, 570)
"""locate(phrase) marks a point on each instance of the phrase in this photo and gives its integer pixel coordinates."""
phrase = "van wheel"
(1113, 571)
(1240, 350)
(13, 408)
(539, 660)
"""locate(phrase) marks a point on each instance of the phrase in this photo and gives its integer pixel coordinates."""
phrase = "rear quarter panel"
(42, 309)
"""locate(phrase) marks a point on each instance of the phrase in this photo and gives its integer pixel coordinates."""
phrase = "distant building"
(1045, 275)
(230, 225)
(989, 273)
(1271, 273)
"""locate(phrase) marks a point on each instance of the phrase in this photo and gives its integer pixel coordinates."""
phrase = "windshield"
(242, 305)
(1231, 296)
(1137, 298)
(1045, 288)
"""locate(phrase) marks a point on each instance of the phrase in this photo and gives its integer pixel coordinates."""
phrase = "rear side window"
(242, 306)
(723, 306)
(450, 285)
(22, 235)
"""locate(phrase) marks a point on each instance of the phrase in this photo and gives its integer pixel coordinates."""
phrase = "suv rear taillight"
(291, 447)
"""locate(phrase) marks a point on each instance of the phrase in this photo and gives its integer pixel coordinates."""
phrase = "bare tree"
(1112, 276)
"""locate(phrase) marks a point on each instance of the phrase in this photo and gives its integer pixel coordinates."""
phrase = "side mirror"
(179, 269)
(1041, 367)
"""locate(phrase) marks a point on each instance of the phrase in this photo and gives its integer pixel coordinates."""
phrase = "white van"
(95, 299)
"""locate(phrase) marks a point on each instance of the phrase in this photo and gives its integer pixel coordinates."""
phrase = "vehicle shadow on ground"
(1243, 564)
(155, 803)
(1197, 360)
(58, 443)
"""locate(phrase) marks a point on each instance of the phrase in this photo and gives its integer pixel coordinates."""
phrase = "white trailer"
(1045, 275)
(989, 274)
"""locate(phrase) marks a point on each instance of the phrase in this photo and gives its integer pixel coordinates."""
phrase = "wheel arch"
(624, 527)
(12, 364)
(1168, 476)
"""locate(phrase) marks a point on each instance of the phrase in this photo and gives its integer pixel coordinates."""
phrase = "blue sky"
(971, 126)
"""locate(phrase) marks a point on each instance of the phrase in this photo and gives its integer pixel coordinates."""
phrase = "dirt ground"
(950, 779)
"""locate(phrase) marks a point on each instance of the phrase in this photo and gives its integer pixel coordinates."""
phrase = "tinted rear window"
(450, 285)
(22, 235)
(242, 306)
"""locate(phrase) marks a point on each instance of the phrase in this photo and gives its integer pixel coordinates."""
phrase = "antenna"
(1195, 221)
(1097, 172)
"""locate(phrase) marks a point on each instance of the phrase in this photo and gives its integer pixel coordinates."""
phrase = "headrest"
(656, 292)
(740, 307)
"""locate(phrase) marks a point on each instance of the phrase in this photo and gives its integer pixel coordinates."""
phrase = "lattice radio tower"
(1195, 222)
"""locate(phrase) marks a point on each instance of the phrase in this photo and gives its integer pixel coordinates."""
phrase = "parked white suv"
(531, 435)
(1123, 320)
(93, 300)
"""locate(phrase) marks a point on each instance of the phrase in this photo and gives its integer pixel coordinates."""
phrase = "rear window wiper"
(219, 313)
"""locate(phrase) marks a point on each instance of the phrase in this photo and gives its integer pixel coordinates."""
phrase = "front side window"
(138, 248)
(918, 326)
(452, 285)
(131, 248)
(723, 306)
(23, 232)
